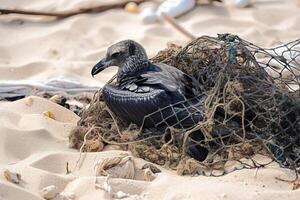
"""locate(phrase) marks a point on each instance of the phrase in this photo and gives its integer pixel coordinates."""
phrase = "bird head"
(128, 55)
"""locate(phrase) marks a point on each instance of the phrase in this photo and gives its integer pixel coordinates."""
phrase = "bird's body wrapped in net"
(250, 105)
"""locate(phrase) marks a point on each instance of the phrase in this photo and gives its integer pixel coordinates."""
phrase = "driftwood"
(61, 15)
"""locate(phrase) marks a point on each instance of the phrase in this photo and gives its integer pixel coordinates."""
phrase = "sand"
(35, 49)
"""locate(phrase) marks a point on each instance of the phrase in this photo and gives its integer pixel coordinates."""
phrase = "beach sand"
(38, 49)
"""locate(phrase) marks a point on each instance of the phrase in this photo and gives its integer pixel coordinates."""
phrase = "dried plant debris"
(150, 171)
(296, 184)
(92, 139)
(152, 167)
(116, 167)
(49, 114)
(248, 105)
(149, 175)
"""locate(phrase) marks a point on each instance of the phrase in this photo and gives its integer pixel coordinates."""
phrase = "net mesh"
(250, 105)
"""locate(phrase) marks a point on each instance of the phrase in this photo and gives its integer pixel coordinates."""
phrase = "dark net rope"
(250, 97)
(249, 105)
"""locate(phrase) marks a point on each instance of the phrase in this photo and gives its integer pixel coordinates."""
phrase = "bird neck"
(131, 68)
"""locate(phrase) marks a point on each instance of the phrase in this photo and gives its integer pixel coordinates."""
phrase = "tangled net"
(250, 105)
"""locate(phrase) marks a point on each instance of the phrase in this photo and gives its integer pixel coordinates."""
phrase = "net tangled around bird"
(250, 105)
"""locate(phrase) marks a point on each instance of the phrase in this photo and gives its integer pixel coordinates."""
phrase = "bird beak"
(101, 65)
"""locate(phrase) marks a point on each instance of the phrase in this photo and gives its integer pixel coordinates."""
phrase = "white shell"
(49, 192)
(148, 15)
(12, 177)
(65, 196)
(238, 3)
(175, 8)
(121, 195)
(242, 3)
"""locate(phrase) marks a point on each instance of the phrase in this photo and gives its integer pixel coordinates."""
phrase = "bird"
(151, 95)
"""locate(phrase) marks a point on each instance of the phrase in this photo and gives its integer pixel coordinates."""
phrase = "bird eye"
(115, 55)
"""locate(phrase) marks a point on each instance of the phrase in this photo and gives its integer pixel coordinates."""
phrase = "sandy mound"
(35, 49)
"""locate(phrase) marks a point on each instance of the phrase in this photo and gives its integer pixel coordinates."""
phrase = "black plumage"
(144, 88)
(156, 87)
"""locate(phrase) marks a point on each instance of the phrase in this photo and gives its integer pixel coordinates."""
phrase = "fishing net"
(250, 105)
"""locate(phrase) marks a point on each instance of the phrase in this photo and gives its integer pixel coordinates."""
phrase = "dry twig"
(61, 15)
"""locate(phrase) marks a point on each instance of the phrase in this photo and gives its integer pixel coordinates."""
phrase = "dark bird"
(145, 91)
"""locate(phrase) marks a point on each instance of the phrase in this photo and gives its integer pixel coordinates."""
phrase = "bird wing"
(172, 80)
(165, 77)
(160, 80)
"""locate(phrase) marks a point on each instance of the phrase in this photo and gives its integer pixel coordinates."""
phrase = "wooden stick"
(177, 26)
(97, 9)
